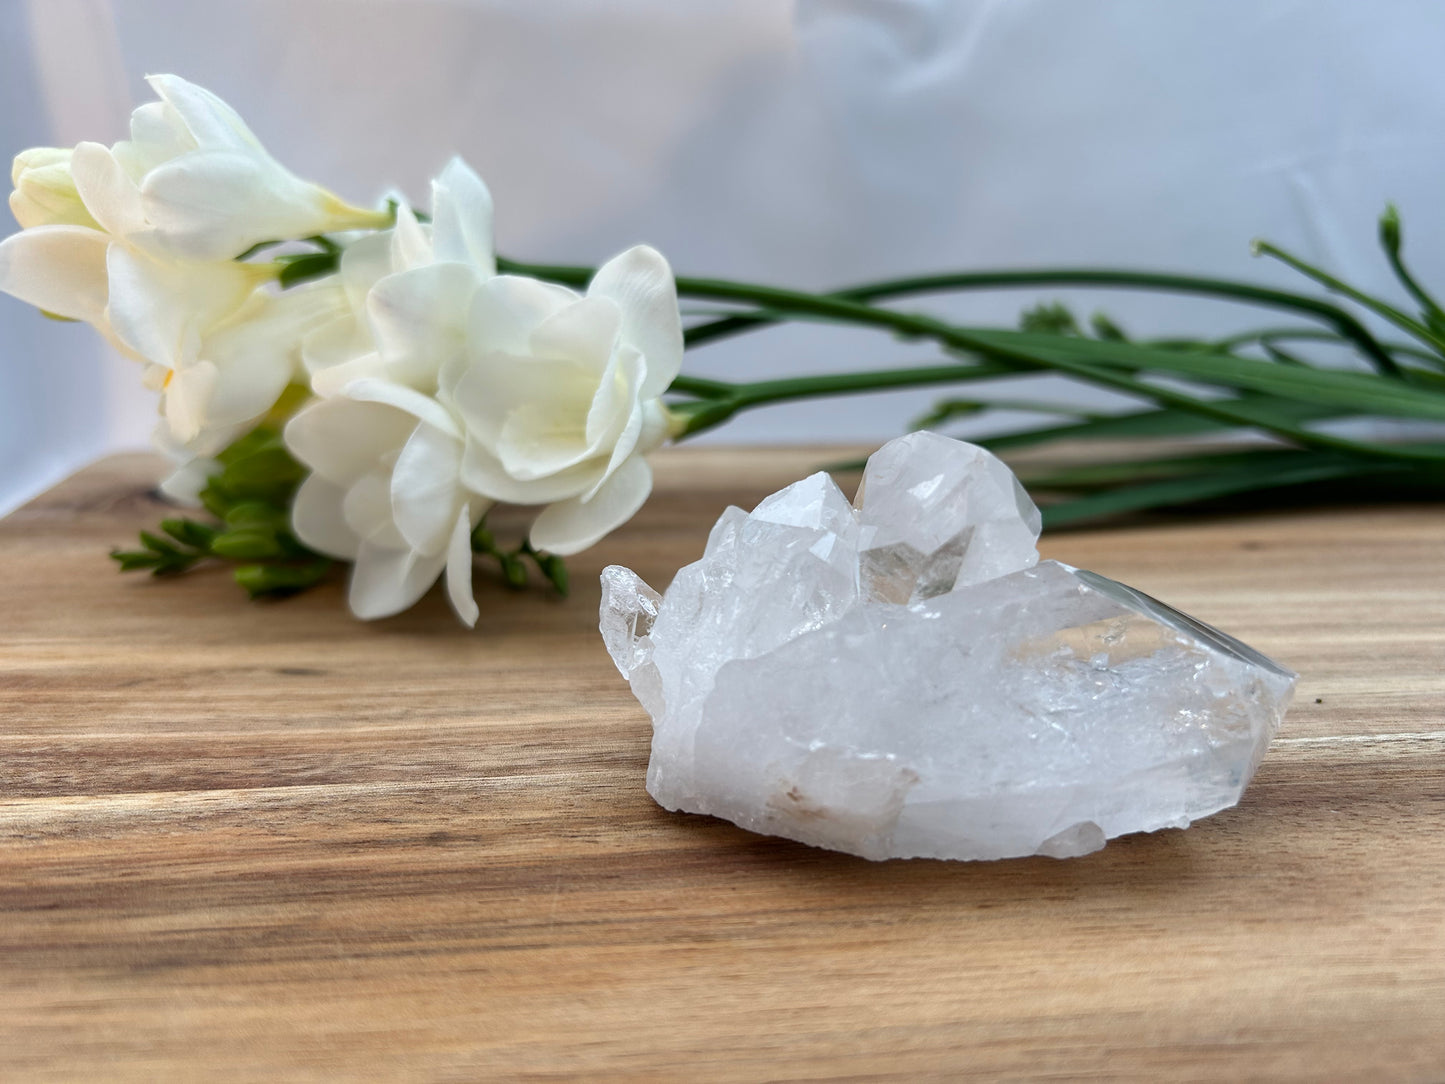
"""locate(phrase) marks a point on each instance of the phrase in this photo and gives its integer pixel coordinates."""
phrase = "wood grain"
(263, 841)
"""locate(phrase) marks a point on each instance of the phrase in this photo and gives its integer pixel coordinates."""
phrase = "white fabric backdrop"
(814, 143)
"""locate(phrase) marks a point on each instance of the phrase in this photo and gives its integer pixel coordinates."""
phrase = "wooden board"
(266, 842)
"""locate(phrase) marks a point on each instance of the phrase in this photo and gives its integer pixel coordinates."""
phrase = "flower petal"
(146, 314)
(160, 308)
(571, 526)
(462, 218)
(108, 193)
(498, 389)
(459, 569)
(318, 519)
(641, 283)
(387, 581)
(60, 269)
(626, 444)
(213, 205)
(334, 342)
(332, 381)
(157, 134)
(256, 353)
(422, 407)
(342, 439)
(363, 263)
(410, 241)
(540, 439)
(367, 508)
(482, 472)
(616, 399)
(187, 395)
(419, 320)
(217, 200)
(208, 120)
(506, 310)
(184, 484)
(424, 490)
(583, 332)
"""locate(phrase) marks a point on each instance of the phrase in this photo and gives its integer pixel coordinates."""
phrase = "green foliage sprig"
(513, 562)
(250, 498)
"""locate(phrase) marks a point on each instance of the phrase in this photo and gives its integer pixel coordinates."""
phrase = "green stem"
(1402, 320)
(1347, 325)
(1267, 335)
(1392, 242)
(911, 325)
(702, 387)
(711, 411)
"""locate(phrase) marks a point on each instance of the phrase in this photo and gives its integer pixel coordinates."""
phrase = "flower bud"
(45, 192)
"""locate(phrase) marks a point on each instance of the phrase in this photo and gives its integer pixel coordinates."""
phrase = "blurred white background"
(804, 142)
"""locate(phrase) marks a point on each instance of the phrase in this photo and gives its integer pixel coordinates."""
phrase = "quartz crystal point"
(902, 677)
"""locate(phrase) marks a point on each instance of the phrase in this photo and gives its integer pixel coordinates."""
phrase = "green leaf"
(133, 560)
(159, 545)
(189, 533)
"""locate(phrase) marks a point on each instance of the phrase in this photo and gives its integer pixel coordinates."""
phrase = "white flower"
(385, 454)
(242, 367)
(247, 372)
(138, 241)
(192, 182)
(205, 188)
(384, 493)
(560, 394)
(150, 308)
(220, 346)
(408, 292)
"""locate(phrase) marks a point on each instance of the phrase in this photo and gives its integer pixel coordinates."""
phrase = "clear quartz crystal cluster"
(902, 676)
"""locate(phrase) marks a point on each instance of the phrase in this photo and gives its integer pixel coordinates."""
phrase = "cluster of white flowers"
(434, 386)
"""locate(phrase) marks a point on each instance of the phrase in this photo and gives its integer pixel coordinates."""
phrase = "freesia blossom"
(560, 394)
(385, 494)
(242, 368)
(191, 182)
(150, 308)
(218, 345)
(408, 290)
(138, 240)
(239, 379)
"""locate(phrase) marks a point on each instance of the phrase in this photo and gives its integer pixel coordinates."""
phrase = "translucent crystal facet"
(905, 678)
